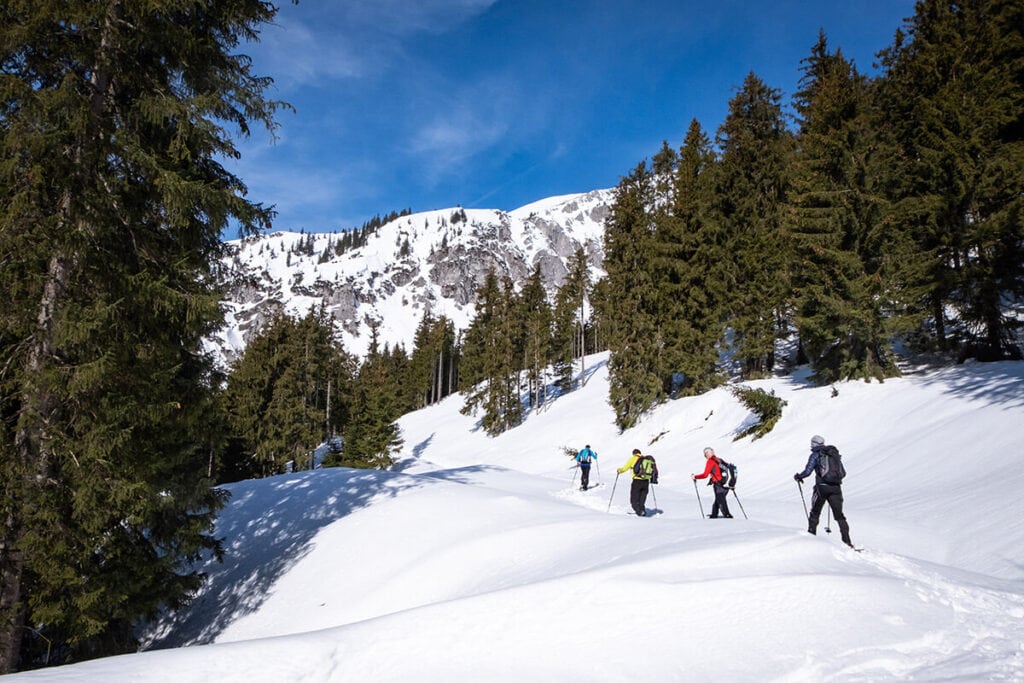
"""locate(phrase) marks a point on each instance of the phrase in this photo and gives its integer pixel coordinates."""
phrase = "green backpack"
(645, 467)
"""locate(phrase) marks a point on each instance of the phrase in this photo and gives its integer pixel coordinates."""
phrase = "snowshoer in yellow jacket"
(643, 477)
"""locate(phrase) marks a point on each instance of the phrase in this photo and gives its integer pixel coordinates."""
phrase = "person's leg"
(817, 502)
(645, 486)
(835, 501)
(721, 502)
(634, 497)
(585, 476)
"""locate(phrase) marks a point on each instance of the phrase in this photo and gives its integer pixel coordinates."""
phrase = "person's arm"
(707, 470)
(628, 466)
(812, 462)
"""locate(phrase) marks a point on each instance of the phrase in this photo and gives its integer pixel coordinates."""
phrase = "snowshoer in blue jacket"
(583, 460)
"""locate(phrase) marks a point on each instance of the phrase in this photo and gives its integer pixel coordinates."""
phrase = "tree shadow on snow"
(267, 527)
(1000, 383)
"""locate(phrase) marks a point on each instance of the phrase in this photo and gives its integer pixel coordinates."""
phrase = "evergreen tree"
(691, 266)
(372, 437)
(750, 202)
(535, 312)
(838, 287)
(631, 300)
(289, 392)
(489, 374)
(112, 203)
(569, 321)
(952, 93)
(433, 360)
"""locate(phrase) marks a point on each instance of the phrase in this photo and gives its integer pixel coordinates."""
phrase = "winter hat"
(817, 440)
(636, 451)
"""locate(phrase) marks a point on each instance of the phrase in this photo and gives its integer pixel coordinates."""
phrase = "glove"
(797, 477)
(654, 480)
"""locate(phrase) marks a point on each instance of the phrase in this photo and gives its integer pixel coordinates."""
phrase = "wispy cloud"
(402, 17)
(297, 55)
(353, 40)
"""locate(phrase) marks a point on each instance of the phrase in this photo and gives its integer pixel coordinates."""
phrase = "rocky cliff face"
(431, 261)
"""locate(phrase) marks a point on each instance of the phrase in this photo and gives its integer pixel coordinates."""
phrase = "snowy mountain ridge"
(432, 261)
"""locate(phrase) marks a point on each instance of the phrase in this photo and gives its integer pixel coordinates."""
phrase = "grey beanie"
(817, 440)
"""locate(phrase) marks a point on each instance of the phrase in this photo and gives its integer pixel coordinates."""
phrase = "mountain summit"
(432, 261)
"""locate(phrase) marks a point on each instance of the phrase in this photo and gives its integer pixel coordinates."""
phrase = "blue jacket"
(584, 456)
(812, 464)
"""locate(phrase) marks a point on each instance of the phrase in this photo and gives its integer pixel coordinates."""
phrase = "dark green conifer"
(631, 300)
(838, 287)
(113, 200)
(569, 340)
(372, 437)
(535, 312)
(750, 202)
(690, 265)
(951, 93)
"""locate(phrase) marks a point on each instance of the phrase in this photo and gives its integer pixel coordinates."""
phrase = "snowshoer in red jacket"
(714, 470)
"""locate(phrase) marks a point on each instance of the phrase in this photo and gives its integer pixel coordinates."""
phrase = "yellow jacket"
(629, 465)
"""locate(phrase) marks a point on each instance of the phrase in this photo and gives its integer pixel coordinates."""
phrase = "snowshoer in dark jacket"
(583, 459)
(714, 470)
(823, 493)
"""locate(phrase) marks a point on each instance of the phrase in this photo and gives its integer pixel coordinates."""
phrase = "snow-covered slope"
(479, 560)
(434, 260)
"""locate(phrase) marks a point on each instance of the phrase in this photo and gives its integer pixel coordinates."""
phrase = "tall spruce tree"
(838, 285)
(953, 95)
(372, 437)
(690, 267)
(489, 370)
(535, 312)
(751, 204)
(570, 324)
(112, 204)
(631, 300)
(288, 393)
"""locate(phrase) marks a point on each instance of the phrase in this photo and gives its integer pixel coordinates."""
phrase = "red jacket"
(712, 469)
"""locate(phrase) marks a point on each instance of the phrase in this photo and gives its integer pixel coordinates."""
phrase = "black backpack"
(830, 466)
(646, 468)
(728, 472)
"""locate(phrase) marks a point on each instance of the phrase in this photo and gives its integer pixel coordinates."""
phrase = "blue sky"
(428, 104)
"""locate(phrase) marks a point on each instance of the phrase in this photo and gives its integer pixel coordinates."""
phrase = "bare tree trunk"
(438, 378)
(33, 450)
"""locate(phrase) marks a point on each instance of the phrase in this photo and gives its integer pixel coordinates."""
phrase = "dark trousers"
(833, 495)
(720, 505)
(638, 495)
(585, 475)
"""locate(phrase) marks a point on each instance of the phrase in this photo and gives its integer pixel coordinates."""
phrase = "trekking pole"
(828, 520)
(655, 498)
(698, 498)
(806, 514)
(741, 504)
(613, 491)
(574, 471)
(598, 470)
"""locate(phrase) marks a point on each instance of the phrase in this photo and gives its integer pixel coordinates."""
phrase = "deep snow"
(477, 559)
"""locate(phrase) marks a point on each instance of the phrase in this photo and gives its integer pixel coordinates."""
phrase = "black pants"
(638, 495)
(834, 496)
(720, 505)
(585, 475)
